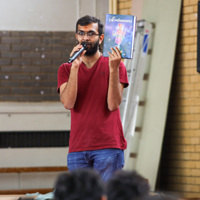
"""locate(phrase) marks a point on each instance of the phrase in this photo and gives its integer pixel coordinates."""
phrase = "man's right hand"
(76, 63)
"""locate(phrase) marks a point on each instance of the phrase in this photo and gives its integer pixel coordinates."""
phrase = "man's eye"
(81, 33)
(90, 33)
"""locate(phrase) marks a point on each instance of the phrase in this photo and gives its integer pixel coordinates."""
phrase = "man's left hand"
(114, 58)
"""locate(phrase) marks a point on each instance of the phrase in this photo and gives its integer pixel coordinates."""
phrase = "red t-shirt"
(93, 126)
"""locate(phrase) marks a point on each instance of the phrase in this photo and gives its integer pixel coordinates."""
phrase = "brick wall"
(124, 7)
(29, 62)
(180, 162)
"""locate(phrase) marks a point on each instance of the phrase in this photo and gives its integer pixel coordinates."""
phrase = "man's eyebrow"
(87, 31)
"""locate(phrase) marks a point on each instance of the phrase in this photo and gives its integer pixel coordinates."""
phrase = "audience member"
(81, 184)
(164, 196)
(127, 185)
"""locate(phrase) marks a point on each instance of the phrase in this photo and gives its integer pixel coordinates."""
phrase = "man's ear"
(76, 37)
(77, 42)
(104, 197)
(101, 37)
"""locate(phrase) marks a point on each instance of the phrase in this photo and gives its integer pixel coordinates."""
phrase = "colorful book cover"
(120, 32)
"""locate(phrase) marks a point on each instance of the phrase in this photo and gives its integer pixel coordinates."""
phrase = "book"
(120, 32)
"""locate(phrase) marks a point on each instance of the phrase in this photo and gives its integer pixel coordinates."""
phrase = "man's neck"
(91, 60)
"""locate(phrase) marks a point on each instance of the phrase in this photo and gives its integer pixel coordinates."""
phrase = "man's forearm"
(69, 93)
(114, 91)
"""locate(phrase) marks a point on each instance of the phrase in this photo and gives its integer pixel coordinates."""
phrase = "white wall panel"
(87, 7)
(38, 180)
(8, 181)
(33, 157)
(165, 15)
(34, 116)
(47, 15)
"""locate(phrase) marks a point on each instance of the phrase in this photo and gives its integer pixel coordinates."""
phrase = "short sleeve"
(63, 75)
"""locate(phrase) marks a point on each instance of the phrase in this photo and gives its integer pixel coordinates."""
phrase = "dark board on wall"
(29, 62)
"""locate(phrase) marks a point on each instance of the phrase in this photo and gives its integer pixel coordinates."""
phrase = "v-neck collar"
(93, 67)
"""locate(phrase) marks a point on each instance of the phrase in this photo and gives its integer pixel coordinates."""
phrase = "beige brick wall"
(124, 7)
(180, 161)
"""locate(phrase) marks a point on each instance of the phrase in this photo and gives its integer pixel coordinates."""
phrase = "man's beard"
(93, 49)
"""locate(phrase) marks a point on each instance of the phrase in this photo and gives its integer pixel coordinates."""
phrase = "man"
(82, 184)
(128, 185)
(91, 87)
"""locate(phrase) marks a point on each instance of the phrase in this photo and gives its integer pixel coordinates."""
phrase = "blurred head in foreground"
(127, 185)
(81, 184)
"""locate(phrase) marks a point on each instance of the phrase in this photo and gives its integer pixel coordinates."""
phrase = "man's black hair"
(81, 184)
(87, 19)
(127, 185)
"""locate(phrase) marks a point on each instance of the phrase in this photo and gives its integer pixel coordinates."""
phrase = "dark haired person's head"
(127, 185)
(82, 184)
(89, 30)
(87, 19)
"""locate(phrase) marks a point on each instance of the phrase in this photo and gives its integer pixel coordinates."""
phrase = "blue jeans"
(105, 161)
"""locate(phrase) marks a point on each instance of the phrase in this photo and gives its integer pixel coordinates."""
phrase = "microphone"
(77, 53)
